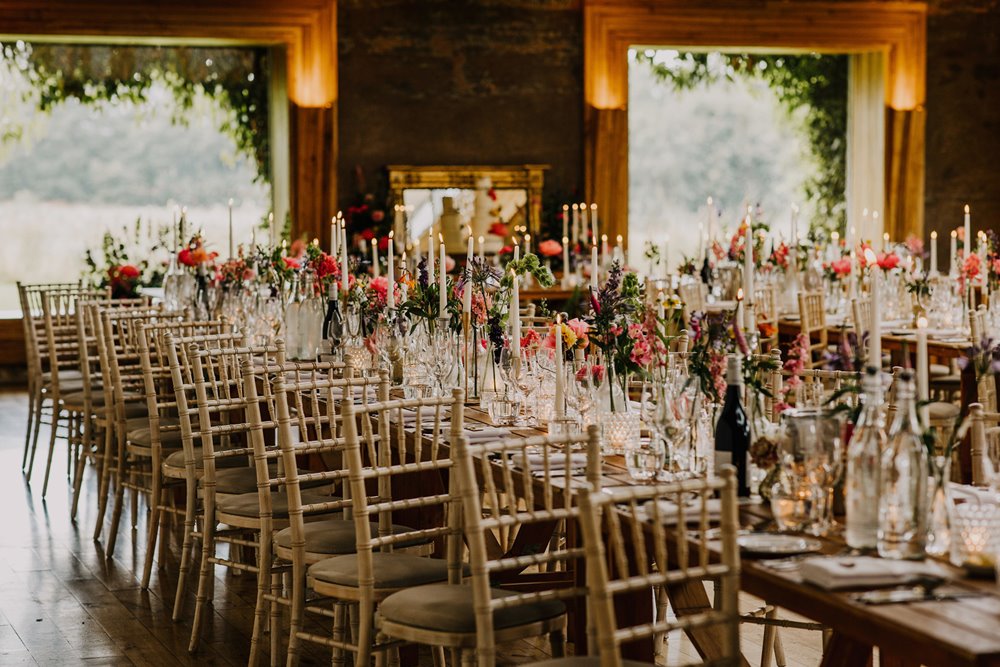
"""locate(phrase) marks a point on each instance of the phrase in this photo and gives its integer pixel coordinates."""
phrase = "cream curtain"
(866, 142)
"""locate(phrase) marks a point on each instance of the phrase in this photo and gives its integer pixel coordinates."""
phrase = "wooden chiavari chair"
(539, 492)
(149, 446)
(671, 522)
(123, 385)
(985, 431)
(693, 296)
(394, 468)
(33, 324)
(90, 400)
(768, 313)
(812, 323)
(216, 380)
(61, 351)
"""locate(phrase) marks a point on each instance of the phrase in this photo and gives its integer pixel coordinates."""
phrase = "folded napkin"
(668, 510)
(557, 461)
(833, 573)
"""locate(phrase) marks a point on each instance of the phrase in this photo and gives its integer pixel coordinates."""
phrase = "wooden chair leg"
(32, 401)
(339, 659)
(156, 499)
(116, 513)
(186, 547)
(205, 572)
(52, 448)
(81, 464)
(297, 592)
(767, 648)
(558, 641)
(39, 405)
(105, 481)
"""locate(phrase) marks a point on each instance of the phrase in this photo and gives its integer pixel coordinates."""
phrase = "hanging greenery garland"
(233, 77)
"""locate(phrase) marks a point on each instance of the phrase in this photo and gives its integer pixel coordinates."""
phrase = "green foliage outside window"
(815, 82)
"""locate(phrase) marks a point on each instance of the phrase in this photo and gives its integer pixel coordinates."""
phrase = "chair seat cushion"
(144, 438)
(582, 661)
(942, 410)
(176, 460)
(333, 536)
(248, 504)
(448, 608)
(392, 570)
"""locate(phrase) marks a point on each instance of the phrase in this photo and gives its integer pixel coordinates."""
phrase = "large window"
(100, 139)
(726, 126)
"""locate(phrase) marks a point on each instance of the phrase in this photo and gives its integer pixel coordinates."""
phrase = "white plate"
(770, 544)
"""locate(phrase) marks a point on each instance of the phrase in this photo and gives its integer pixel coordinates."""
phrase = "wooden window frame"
(611, 27)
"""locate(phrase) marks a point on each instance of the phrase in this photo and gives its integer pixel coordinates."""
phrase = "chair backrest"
(121, 365)
(861, 313)
(812, 321)
(32, 320)
(87, 323)
(154, 340)
(671, 522)
(978, 323)
(531, 478)
(693, 295)
(60, 350)
(767, 310)
(181, 353)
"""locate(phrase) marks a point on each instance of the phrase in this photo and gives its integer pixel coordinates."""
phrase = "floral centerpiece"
(616, 329)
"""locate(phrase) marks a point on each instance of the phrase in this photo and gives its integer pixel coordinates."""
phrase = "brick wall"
(449, 82)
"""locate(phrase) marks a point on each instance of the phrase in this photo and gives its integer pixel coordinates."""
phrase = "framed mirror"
(447, 200)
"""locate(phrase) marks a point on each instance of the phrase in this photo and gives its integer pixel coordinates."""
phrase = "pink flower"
(581, 329)
(915, 245)
(380, 286)
(549, 248)
(292, 263)
(971, 267)
(449, 263)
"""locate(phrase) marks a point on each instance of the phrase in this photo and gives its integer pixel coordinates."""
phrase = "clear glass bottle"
(310, 318)
(292, 337)
(864, 460)
(903, 499)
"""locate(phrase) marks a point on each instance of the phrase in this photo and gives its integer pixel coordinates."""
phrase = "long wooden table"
(964, 631)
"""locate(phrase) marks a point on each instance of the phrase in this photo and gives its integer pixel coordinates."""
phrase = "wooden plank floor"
(63, 602)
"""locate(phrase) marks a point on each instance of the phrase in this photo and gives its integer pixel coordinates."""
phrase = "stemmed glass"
(444, 358)
(526, 379)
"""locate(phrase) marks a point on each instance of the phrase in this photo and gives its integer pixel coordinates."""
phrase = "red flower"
(378, 215)
(292, 263)
(298, 248)
(127, 271)
(498, 229)
(492, 194)
(185, 258)
(507, 250)
(383, 244)
(549, 248)
(888, 261)
(367, 235)
(842, 266)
